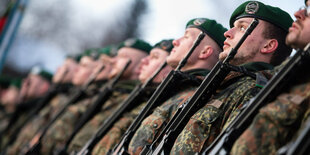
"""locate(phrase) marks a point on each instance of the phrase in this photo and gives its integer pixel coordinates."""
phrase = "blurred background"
(43, 32)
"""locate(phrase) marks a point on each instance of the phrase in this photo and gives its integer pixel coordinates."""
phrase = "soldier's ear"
(206, 52)
(270, 46)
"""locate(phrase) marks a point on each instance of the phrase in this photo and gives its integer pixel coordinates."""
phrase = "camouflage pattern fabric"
(207, 123)
(4, 121)
(33, 126)
(153, 124)
(123, 89)
(60, 131)
(275, 123)
(115, 133)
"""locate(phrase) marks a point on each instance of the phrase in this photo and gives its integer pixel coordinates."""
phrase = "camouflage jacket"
(30, 129)
(43, 118)
(207, 123)
(122, 89)
(119, 128)
(277, 122)
(153, 124)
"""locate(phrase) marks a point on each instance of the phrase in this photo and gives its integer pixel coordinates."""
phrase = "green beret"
(6, 81)
(43, 73)
(255, 9)
(95, 53)
(17, 82)
(210, 27)
(165, 45)
(137, 44)
(77, 58)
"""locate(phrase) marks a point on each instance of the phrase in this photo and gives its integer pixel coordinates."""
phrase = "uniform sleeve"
(152, 125)
(273, 125)
(205, 125)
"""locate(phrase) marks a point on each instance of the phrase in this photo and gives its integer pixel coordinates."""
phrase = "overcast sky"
(164, 19)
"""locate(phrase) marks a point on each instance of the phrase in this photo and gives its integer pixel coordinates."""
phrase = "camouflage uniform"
(62, 128)
(44, 116)
(277, 122)
(153, 124)
(207, 123)
(16, 118)
(114, 135)
(33, 126)
(3, 119)
(122, 90)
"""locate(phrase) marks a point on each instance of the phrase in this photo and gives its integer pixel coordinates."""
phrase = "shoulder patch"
(215, 103)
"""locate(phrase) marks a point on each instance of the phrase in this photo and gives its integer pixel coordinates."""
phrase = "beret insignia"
(199, 21)
(252, 8)
(130, 42)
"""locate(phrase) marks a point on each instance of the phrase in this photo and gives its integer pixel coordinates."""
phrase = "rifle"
(204, 92)
(103, 96)
(134, 99)
(224, 142)
(35, 148)
(158, 97)
(301, 145)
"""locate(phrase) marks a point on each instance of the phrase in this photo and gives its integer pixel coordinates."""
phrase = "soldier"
(9, 92)
(9, 96)
(131, 49)
(150, 64)
(276, 123)
(33, 87)
(200, 62)
(28, 131)
(36, 84)
(63, 127)
(262, 50)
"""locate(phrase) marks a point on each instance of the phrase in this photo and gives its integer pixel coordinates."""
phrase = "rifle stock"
(224, 142)
(204, 92)
(158, 97)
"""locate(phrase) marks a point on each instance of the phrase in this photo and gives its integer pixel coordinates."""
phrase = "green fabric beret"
(137, 44)
(43, 73)
(210, 27)
(17, 82)
(255, 9)
(6, 81)
(95, 53)
(165, 45)
(77, 58)
(109, 50)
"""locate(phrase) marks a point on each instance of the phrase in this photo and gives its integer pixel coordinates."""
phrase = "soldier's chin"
(222, 56)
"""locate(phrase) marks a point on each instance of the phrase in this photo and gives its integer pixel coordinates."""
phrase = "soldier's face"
(123, 56)
(151, 63)
(85, 68)
(33, 86)
(106, 62)
(182, 46)
(298, 35)
(10, 96)
(65, 73)
(250, 47)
